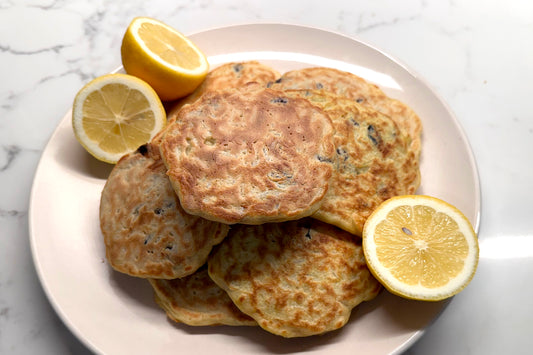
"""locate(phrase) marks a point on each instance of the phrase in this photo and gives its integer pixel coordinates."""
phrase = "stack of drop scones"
(247, 208)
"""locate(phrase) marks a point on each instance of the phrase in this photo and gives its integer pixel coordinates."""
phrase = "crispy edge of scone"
(228, 75)
(197, 301)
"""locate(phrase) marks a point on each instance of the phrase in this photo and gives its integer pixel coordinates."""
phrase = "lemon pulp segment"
(168, 46)
(117, 118)
(115, 114)
(421, 246)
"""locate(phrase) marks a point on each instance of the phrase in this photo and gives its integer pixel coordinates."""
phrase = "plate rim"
(73, 328)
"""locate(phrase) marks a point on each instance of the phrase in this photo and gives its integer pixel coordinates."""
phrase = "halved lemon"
(163, 57)
(420, 247)
(114, 114)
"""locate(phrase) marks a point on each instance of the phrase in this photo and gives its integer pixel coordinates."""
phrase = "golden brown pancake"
(373, 161)
(197, 300)
(249, 156)
(146, 232)
(355, 88)
(230, 75)
(297, 278)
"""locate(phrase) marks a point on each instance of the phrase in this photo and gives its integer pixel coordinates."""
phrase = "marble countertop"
(477, 55)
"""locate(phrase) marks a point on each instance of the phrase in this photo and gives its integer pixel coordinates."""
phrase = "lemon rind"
(96, 84)
(417, 292)
(200, 70)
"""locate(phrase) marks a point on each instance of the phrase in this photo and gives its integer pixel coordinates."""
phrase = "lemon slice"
(163, 57)
(114, 114)
(420, 247)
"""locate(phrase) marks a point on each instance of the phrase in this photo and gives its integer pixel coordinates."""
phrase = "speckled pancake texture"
(226, 76)
(145, 230)
(229, 75)
(297, 278)
(248, 207)
(196, 300)
(372, 161)
(355, 88)
(249, 156)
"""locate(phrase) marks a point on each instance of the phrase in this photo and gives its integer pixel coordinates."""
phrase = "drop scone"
(372, 161)
(355, 88)
(146, 232)
(229, 75)
(196, 300)
(297, 278)
(250, 155)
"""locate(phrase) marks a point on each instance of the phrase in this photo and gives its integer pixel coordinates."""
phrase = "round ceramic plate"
(113, 313)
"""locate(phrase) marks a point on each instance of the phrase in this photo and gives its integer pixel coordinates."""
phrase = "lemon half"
(420, 247)
(114, 114)
(163, 57)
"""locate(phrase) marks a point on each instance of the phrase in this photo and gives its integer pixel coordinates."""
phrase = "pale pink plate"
(115, 314)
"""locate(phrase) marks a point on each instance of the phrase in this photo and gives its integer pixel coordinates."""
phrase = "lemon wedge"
(420, 247)
(163, 57)
(114, 114)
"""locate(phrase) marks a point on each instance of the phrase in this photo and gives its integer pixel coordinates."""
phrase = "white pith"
(418, 291)
(197, 71)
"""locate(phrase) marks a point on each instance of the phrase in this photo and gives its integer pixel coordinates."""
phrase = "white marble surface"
(478, 55)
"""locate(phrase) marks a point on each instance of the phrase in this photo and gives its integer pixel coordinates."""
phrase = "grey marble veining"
(477, 55)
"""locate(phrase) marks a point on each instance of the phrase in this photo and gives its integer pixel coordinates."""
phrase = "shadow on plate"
(70, 154)
(395, 313)
(264, 341)
(140, 292)
(138, 289)
(410, 314)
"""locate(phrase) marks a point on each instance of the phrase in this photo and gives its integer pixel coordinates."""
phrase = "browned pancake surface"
(297, 278)
(249, 156)
(146, 232)
(229, 75)
(372, 163)
(196, 300)
(353, 87)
